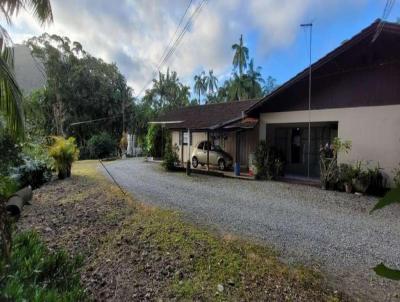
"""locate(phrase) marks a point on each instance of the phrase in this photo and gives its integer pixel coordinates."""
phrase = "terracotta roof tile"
(205, 116)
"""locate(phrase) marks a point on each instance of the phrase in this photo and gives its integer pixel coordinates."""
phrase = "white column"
(129, 147)
(189, 146)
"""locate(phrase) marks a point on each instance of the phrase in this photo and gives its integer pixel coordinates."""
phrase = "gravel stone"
(332, 231)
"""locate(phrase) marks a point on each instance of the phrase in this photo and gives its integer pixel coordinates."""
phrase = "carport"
(225, 125)
(237, 134)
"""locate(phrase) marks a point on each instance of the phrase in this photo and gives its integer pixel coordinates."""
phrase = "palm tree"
(160, 89)
(211, 82)
(10, 93)
(239, 87)
(254, 80)
(270, 85)
(200, 85)
(241, 55)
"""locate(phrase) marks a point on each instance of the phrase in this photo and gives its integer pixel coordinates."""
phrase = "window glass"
(200, 146)
(185, 138)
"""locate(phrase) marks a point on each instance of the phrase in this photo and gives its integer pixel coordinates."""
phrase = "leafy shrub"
(9, 151)
(38, 151)
(8, 186)
(33, 172)
(154, 140)
(377, 182)
(65, 152)
(170, 156)
(396, 178)
(101, 145)
(36, 274)
(346, 173)
(269, 162)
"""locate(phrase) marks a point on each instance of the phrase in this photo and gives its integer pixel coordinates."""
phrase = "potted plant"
(65, 152)
(346, 175)
(329, 171)
(361, 179)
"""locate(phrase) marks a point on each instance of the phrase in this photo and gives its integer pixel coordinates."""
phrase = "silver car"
(217, 156)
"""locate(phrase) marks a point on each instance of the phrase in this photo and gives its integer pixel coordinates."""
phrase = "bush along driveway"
(135, 252)
(330, 230)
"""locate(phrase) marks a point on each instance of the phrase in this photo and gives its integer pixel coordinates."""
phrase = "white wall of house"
(374, 131)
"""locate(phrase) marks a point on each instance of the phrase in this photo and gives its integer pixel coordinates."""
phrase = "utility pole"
(309, 25)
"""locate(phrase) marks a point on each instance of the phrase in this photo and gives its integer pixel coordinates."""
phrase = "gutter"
(166, 122)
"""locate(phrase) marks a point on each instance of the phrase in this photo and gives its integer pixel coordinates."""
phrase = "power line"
(184, 30)
(174, 46)
(95, 120)
(176, 31)
(386, 12)
(166, 50)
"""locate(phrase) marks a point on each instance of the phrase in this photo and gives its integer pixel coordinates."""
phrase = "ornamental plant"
(65, 152)
(171, 158)
(328, 160)
(269, 163)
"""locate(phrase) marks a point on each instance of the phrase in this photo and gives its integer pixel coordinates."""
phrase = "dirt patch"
(138, 253)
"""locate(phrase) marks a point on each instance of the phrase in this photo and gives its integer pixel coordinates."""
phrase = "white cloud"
(135, 33)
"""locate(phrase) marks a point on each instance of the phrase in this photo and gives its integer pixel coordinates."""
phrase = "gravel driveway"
(330, 230)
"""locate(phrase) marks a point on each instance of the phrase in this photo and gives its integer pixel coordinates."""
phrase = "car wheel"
(221, 165)
(195, 162)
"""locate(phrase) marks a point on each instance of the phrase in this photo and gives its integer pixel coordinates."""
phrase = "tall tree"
(80, 88)
(255, 80)
(166, 93)
(200, 85)
(10, 93)
(270, 85)
(211, 82)
(239, 88)
(241, 56)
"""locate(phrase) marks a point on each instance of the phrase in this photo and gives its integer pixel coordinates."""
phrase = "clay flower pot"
(348, 187)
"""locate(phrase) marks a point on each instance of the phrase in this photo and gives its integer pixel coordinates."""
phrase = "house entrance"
(292, 141)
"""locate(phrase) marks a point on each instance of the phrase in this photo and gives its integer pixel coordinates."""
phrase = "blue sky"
(134, 34)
